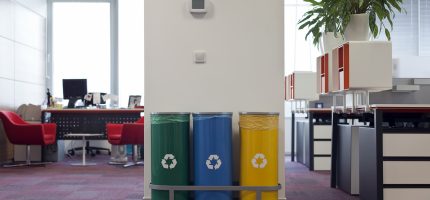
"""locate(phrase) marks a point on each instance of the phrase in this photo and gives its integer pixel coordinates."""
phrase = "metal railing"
(258, 189)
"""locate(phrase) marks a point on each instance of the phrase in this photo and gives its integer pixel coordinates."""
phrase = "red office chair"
(22, 133)
(129, 133)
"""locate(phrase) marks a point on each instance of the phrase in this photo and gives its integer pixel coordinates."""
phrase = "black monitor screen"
(74, 88)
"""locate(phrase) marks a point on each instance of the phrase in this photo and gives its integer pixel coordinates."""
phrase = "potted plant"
(321, 25)
(353, 19)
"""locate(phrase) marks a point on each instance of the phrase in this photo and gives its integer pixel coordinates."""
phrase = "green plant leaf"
(312, 2)
(388, 34)
(395, 4)
(390, 21)
(335, 15)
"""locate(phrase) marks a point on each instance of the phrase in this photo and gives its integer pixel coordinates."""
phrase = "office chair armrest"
(50, 129)
(134, 127)
(133, 133)
(114, 130)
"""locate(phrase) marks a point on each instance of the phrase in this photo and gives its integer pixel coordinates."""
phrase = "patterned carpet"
(61, 181)
(302, 184)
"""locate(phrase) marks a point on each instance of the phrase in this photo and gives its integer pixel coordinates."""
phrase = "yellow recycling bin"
(258, 153)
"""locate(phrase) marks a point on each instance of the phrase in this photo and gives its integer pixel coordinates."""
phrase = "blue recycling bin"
(212, 135)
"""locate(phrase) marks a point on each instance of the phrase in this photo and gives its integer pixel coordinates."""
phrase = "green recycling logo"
(172, 159)
(259, 161)
(211, 159)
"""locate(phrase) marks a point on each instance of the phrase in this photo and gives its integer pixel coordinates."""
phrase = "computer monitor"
(74, 89)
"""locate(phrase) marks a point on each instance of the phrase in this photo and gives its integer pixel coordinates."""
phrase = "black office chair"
(89, 149)
(90, 101)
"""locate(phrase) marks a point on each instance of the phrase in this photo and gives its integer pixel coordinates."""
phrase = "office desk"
(87, 120)
(393, 151)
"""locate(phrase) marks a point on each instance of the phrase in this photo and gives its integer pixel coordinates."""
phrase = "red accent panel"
(327, 73)
(340, 57)
(346, 66)
(293, 80)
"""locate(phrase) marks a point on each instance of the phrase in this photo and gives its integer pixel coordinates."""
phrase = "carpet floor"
(61, 181)
(302, 184)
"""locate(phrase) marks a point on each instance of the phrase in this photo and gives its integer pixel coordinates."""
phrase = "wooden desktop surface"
(320, 110)
(94, 110)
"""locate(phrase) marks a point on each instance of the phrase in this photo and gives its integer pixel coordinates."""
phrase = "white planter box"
(362, 66)
(301, 86)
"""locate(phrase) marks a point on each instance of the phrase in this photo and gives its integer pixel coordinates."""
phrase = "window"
(410, 37)
(81, 44)
(411, 34)
(300, 55)
(131, 50)
(424, 37)
(87, 37)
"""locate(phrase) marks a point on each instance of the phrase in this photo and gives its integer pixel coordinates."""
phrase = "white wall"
(22, 52)
(244, 70)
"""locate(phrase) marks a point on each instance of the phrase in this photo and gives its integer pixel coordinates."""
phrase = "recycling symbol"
(259, 161)
(166, 158)
(211, 159)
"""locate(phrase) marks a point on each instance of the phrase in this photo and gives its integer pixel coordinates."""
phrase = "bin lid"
(170, 113)
(212, 113)
(258, 113)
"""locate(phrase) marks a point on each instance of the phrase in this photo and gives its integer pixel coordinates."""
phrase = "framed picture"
(134, 100)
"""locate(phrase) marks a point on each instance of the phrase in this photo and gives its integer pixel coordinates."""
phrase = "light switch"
(197, 6)
(199, 57)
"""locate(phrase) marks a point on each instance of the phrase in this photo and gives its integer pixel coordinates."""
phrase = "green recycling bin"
(170, 153)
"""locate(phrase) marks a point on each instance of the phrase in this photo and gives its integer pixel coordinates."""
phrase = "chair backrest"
(10, 120)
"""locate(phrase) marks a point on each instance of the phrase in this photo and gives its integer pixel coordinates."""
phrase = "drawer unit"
(406, 193)
(405, 172)
(322, 132)
(401, 171)
(322, 148)
(406, 145)
(322, 163)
